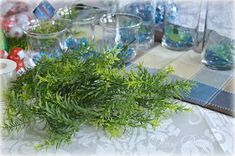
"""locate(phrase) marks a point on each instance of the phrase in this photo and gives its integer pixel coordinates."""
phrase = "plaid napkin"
(214, 89)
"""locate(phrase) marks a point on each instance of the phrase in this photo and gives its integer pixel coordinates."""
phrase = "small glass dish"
(47, 37)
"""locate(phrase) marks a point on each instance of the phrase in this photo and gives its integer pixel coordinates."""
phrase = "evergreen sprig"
(13, 42)
(67, 92)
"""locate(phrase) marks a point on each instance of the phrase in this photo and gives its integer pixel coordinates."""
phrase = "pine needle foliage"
(68, 92)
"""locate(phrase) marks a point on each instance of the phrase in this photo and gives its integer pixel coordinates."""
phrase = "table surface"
(200, 132)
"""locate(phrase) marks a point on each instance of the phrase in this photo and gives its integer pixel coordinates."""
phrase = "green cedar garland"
(71, 91)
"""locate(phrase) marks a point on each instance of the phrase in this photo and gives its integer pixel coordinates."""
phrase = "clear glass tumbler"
(83, 20)
(120, 29)
(181, 20)
(146, 10)
(219, 45)
(47, 37)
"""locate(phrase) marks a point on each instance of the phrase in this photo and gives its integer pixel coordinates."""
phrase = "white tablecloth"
(200, 132)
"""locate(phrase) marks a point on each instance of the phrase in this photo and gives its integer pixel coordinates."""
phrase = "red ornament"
(17, 52)
(20, 64)
(13, 16)
(8, 24)
(11, 8)
(3, 54)
(13, 58)
(20, 68)
(16, 32)
(22, 19)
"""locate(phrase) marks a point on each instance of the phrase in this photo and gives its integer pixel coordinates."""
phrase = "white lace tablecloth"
(200, 132)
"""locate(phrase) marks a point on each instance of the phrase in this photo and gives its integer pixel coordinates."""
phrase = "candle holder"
(181, 21)
(121, 29)
(146, 11)
(219, 44)
(83, 19)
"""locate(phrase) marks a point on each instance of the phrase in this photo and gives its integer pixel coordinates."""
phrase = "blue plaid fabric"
(213, 90)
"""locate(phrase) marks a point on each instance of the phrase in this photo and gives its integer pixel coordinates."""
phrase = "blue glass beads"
(171, 10)
(126, 55)
(75, 44)
(177, 38)
(146, 11)
(159, 16)
(219, 56)
(143, 10)
(70, 43)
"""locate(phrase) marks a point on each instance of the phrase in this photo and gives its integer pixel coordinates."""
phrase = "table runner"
(213, 89)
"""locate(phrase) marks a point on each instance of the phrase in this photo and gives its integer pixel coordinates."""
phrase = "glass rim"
(85, 20)
(27, 31)
(104, 25)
